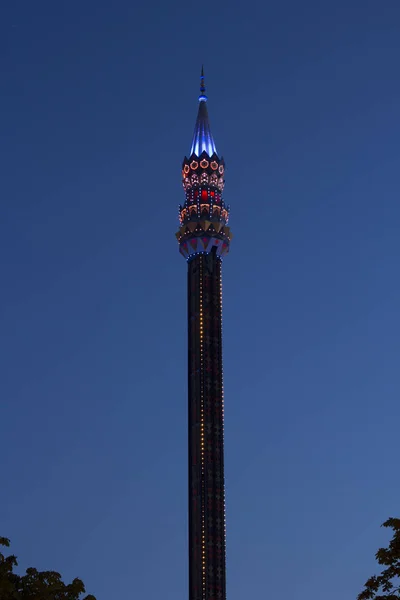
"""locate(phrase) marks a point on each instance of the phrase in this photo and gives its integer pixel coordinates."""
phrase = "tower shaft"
(206, 430)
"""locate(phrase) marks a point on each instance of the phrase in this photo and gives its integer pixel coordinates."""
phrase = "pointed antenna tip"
(202, 96)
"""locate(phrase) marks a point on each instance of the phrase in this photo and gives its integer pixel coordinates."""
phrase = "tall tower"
(204, 239)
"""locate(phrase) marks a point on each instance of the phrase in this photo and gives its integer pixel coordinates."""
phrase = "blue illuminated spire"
(202, 138)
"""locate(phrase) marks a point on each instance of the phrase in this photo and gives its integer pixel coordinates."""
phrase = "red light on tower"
(204, 194)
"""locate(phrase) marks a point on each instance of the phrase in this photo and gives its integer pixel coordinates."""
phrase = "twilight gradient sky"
(98, 105)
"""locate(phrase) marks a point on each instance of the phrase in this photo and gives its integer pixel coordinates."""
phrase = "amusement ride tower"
(204, 239)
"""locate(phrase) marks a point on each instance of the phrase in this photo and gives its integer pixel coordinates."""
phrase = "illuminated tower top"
(202, 138)
(204, 215)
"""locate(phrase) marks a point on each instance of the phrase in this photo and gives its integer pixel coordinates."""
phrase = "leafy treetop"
(35, 585)
(386, 586)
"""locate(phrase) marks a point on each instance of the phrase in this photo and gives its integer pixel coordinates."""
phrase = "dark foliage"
(35, 585)
(386, 586)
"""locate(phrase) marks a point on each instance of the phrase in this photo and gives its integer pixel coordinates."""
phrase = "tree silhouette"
(386, 586)
(35, 585)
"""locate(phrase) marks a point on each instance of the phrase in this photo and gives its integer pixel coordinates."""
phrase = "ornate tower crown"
(204, 215)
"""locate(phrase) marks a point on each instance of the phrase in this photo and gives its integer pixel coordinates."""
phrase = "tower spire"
(203, 140)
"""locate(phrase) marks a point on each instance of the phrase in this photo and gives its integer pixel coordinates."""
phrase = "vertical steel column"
(207, 579)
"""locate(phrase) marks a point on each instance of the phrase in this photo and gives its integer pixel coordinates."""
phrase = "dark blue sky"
(98, 105)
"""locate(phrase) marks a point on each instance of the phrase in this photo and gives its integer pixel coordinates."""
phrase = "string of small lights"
(203, 528)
